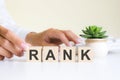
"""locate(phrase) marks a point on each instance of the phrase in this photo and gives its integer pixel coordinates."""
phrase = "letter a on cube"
(50, 54)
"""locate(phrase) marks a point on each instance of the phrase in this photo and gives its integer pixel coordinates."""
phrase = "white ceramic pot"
(99, 46)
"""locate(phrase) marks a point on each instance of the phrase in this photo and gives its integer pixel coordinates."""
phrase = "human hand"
(10, 44)
(52, 37)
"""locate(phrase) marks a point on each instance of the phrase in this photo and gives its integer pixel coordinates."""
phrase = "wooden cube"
(50, 54)
(68, 54)
(34, 53)
(85, 54)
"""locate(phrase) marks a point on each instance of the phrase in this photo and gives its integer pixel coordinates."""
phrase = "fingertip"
(25, 46)
(78, 40)
(19, 52)
(69, 44)
(1, 58)
(10, 56)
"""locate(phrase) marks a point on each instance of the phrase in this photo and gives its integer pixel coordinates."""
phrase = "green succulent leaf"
(91, 30)
(85, 32)
(86, 36)
(102, 33)
(94, 32)
(98, 29)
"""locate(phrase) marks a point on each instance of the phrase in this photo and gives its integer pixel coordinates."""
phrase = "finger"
(57, 34)
(48, 44)
(10, 36)
(55, 41)
(5, 53)
(1, 57)
(71, 36)
(10, 47)
(62, 37)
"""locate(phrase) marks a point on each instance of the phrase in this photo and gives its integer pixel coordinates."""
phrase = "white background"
(39, 15)
(107, 68)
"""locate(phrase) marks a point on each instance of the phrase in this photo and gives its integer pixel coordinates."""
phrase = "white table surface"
(107, 68)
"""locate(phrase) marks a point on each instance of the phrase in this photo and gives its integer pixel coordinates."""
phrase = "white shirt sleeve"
(9, 23)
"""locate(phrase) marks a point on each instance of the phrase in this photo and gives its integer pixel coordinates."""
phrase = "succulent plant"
(94, 32)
